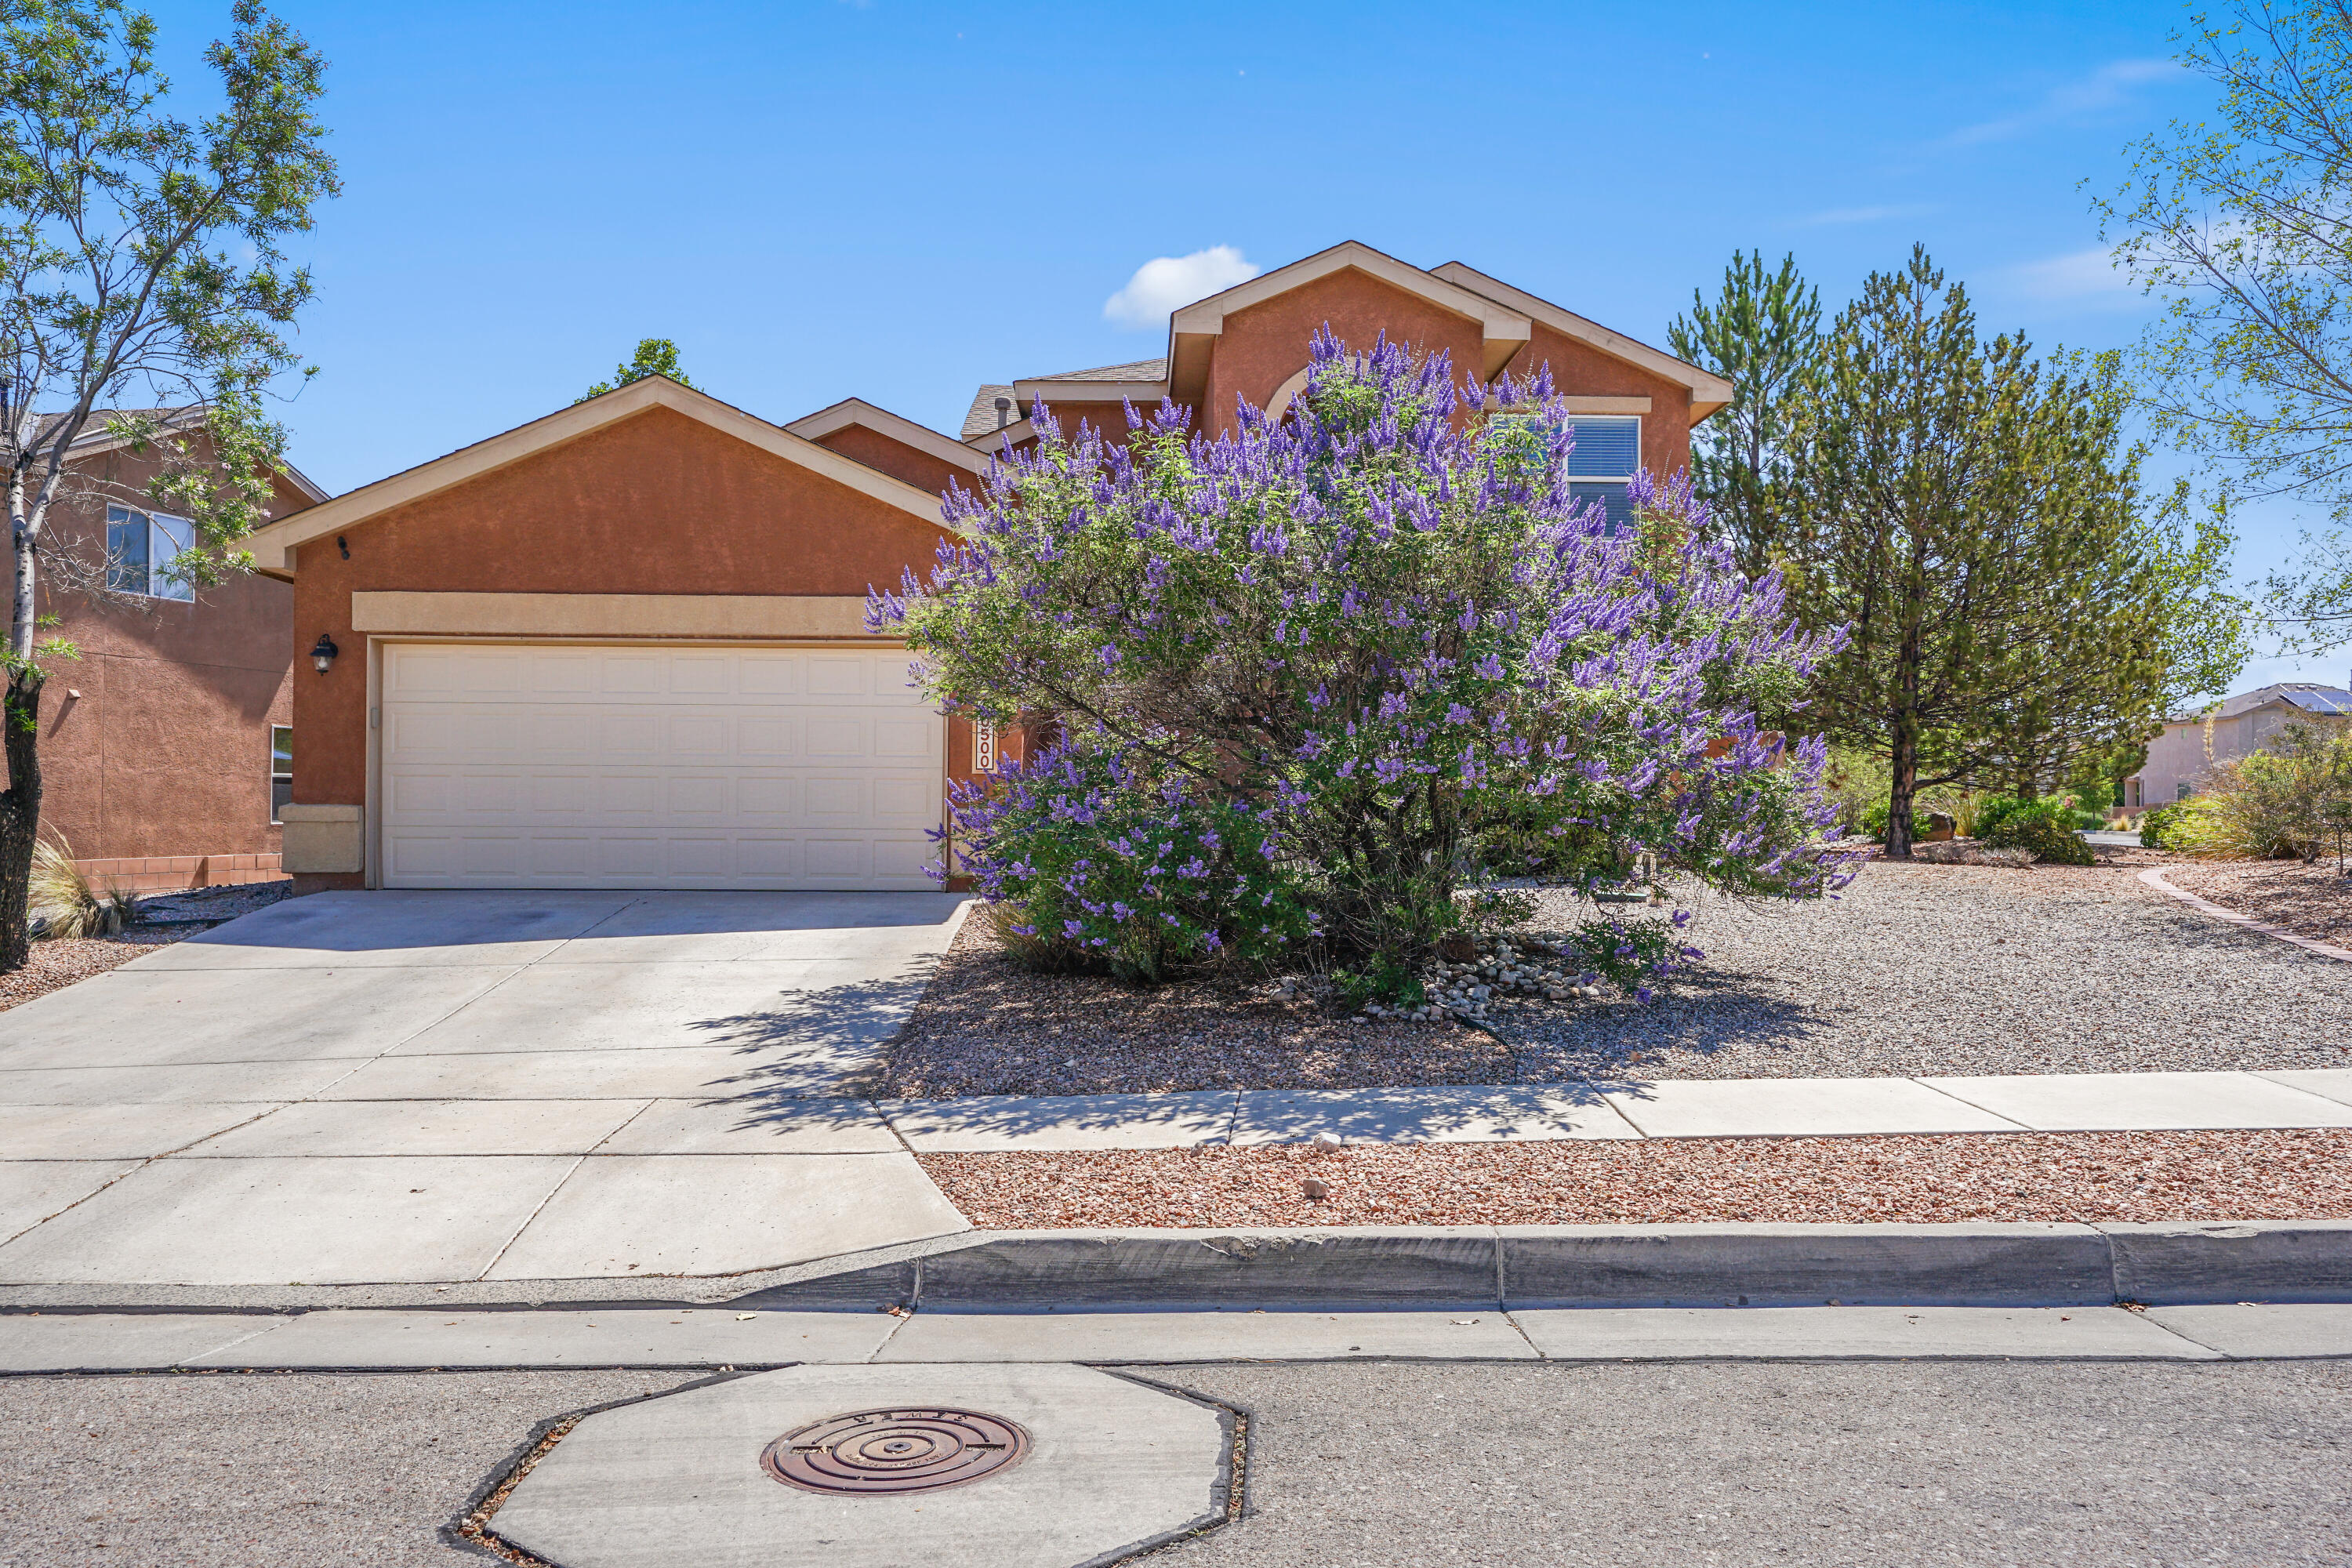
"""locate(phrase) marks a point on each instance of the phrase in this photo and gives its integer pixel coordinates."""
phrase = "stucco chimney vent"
(1003, 411)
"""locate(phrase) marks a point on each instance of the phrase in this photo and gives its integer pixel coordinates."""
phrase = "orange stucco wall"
(165, 750)
(1579, 370)
(658, 503)
(1266, 344)
(897, 459)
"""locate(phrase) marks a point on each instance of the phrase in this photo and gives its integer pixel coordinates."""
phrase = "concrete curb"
(2154, 877)
(1606, 1265)
(1402, 1267)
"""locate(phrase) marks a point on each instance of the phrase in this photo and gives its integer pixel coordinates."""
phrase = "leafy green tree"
(1975, 520)
(656, 356)
(1762, 334)
(2243, 224)
(142, 255)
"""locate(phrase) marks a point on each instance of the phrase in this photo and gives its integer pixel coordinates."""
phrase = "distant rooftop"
(2308, 695)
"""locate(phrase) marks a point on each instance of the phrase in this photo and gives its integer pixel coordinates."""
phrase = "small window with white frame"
(1603, 462)
(140, 549)
(282, 770)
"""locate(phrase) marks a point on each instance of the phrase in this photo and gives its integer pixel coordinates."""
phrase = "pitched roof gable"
(273, 546)
(905, 431)
(1709, 392)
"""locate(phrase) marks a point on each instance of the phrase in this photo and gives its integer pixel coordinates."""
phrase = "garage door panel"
(560, 672)
(769, 799)
(905, 739)
(655, 767)
(766, 737)
(634, 734)
(768, 673)
(840, 675)
(904, 802)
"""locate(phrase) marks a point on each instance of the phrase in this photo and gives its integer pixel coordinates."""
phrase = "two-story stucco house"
(167, 744)
(624, 646)
(2179, 759)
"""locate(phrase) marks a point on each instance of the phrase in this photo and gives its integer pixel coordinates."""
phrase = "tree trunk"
(1898, 796)
(20, 814)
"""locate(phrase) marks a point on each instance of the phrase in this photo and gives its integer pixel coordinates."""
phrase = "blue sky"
(899, 200)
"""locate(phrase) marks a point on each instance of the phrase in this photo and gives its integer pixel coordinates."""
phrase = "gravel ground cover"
(1915, 969)
(1961, 969)
(986, 1025)
(165, 919)
(2310, 900)
(2066, 1176)
(59, 961)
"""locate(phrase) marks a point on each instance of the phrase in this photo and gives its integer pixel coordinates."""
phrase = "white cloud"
(2080, 277)
(1168, 283)
(2109, 86)
(1864, 214)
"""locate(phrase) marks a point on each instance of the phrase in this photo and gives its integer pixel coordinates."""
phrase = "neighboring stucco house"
(624, 646)
(166, 747)
(2177, 760)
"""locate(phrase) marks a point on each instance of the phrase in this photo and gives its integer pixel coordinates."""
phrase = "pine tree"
(1762, 334)
(1974, 519)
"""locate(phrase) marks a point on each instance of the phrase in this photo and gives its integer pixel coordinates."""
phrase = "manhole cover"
(919, 1449)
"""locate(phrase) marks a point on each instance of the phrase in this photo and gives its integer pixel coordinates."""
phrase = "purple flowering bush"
(1097, 854)
(1382, 635)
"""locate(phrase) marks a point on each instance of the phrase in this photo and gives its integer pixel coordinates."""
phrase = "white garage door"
(516, 766)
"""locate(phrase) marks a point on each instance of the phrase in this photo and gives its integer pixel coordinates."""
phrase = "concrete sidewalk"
(672, 1337)
(1677, 1108)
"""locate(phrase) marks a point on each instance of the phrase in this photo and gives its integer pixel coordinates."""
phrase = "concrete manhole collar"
(873, 1453)
(1019, 1465)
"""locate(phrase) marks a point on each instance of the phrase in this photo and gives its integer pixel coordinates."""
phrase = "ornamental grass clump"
(1322, 682)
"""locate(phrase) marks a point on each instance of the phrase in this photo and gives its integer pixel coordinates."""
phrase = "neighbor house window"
(281, 769)
(1607, 453)
(140, 549)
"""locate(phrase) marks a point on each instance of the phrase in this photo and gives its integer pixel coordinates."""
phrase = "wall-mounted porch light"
(323, 652)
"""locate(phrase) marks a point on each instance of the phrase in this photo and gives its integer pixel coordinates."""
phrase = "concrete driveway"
(430, 1086)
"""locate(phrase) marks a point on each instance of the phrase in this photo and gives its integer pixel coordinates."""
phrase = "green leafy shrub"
(2160, 827)
(2045, 829)
(1634, 954)
(2276, 803)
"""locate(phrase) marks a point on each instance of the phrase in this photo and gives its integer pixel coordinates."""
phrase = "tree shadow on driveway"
(814, 1045)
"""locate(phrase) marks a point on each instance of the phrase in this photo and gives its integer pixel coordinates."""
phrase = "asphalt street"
(1367, 1463)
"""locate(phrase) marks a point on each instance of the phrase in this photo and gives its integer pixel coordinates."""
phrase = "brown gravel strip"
(986, 1025)
(56, 964)
(2310, 900)
(2018, 1176)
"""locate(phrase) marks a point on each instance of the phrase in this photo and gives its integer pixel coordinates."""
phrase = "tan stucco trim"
(1004, 439)
(1057, 392)
(1709, 392)
(1279, 404)
(1607, 404)
(905, 431)
(664, 616)
(320, 839)
(273, 546)
(1506, 328)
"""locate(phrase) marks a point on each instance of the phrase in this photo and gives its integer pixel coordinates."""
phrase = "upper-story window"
(140, 549)
(1608, 452)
